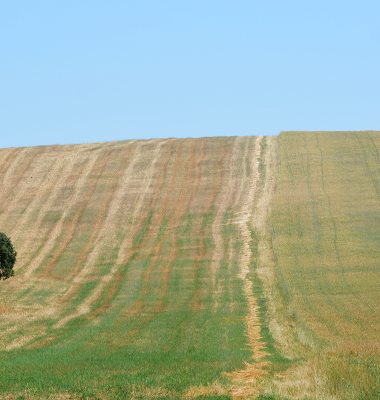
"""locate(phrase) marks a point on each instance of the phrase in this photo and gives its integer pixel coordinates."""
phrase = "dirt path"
(243, 222)
(255, 370)
(266, 267)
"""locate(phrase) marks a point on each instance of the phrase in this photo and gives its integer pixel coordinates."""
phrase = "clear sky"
(76, 71)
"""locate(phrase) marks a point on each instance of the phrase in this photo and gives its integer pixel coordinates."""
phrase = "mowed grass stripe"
(163, 151)
(184, 191)
(192, 276)
(76, 230)
(41, 205)
(107, 212)
(157, 218)
(55, 227)
(109, 282)
(125, 250)
(224, 202)
(200, 289)
(58, 228)
(197, 234)
(188, 196)
(18, 289)
(18, 189)
(48, 269)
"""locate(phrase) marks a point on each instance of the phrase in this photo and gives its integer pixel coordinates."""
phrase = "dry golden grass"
(325, 221)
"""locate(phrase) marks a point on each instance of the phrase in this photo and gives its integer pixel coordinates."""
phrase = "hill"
(133, 274)
(326, 229)
(242, 267)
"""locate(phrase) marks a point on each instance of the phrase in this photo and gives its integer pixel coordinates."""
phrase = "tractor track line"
(227, 197)
(136, 307)
(87, 258)
(126, 251)
(127, 243)
(184, 197)
(195, 303)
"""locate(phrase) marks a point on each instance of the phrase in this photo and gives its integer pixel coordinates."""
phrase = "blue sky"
(88, 71)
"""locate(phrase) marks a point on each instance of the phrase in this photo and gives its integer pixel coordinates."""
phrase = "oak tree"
(7, 257)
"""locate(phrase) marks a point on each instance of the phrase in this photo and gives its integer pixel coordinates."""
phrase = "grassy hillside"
(135, 275)
(242, 267)
(326, 223)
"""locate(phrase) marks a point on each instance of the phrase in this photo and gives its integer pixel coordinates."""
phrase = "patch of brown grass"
(216, 389)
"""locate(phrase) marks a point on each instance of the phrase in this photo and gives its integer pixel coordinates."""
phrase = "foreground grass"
(107, 372)
(352, 376)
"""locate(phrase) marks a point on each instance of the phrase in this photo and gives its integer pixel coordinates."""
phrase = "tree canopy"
(7, 257)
